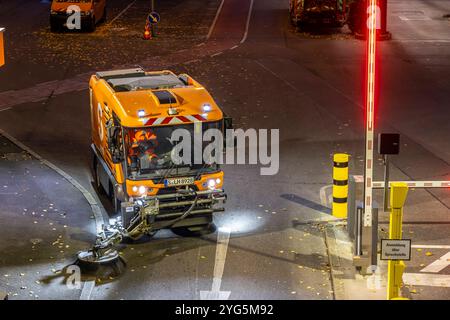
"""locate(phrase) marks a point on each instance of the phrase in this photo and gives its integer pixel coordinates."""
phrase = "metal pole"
(359, 224)
(386, 183)
(374, 259)
(152, 25)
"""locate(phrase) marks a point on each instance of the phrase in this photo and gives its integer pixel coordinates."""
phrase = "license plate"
(172, 182)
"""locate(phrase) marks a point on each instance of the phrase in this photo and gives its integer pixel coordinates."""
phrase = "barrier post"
(399, 191)
(340, 185)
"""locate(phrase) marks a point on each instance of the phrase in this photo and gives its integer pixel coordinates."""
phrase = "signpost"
(153, 18)
(388, 144)
(396, 249)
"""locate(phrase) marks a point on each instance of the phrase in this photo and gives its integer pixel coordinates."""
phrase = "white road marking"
(429, 246)
(424, 279)
(95, 206)
(121, 12)
(421, 41)
(213, 25)
(8, 108)
(438, 265)
(414, 18)
(223, 237)
(234, 47)
(216, 54)
(248, 22)
(87, 290)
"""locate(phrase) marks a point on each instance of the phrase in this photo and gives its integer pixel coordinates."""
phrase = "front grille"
(170, 190)
(177, 199)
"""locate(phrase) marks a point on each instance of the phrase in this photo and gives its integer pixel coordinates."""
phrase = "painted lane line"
(87, 290)
(122, 12)
(8, 108)
(95, 206)
(438, 265)
(247, 25)
(429, 280)
(213, 25)
(234, 47)
(216, 54)
(421, 41)
(223, 238)
(426, 246)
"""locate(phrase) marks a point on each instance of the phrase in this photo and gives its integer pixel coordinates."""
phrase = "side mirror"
(112, 133)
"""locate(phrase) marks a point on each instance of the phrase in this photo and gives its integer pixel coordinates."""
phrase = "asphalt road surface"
(265, 74)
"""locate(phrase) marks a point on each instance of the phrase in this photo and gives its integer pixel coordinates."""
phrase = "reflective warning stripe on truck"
(174, 120)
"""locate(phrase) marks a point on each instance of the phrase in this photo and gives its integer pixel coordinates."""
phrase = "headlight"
(206, 107)
(142, 190)
(211, 183)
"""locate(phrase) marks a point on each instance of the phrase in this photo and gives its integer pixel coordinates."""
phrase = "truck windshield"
(149, 152)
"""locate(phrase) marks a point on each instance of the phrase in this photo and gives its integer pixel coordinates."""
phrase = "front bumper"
(165, 210)
(61, 19)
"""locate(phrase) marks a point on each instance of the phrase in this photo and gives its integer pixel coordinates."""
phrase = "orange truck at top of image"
(91, 13)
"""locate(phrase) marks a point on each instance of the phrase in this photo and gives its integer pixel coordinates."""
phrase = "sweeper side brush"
(103, 261)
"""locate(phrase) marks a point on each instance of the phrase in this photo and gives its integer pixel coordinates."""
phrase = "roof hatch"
(165, 97)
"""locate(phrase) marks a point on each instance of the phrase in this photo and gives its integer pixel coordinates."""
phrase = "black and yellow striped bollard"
(340, 185)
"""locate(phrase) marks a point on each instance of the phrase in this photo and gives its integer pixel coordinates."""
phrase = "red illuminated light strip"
(370, 108)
